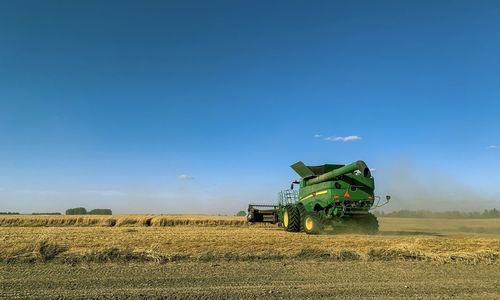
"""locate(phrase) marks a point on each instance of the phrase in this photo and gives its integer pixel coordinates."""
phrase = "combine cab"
(330, 195)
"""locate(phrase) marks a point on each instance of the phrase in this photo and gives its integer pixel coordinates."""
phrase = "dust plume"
(433, 191)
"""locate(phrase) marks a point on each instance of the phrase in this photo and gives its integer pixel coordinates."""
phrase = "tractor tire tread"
(302, 214)
(294, 218)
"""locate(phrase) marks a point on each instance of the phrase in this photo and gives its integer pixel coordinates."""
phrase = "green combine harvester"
(334, 195)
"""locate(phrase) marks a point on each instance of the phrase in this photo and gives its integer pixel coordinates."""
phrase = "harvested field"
(440, 226)
(238, 240)
(237, 259)
(388, 225)
(250, 280)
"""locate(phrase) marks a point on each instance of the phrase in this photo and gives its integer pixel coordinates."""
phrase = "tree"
(100, 211)
(76, 211)
(241, 213)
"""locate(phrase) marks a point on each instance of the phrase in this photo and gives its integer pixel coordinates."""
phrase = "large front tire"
(291, 218)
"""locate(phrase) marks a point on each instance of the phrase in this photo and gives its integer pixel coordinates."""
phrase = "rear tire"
(291, 218)
(367, 224)
(302, 213)
(312, 223)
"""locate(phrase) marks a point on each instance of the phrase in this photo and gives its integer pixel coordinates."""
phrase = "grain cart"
(331, 194)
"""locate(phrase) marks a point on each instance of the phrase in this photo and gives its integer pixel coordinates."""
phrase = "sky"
(202, 106)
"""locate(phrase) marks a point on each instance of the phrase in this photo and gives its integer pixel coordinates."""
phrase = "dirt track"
(303, 279)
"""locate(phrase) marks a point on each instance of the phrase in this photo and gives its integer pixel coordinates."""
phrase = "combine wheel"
(291, 218)
(302, 214)
(312, 223)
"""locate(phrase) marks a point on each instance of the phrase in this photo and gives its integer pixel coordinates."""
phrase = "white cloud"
(185, 177)
(492, 147)
(373, 169)
(105, 193)
(349, 138)
(318, 136)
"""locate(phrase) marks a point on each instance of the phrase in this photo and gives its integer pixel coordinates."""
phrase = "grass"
(217, 238)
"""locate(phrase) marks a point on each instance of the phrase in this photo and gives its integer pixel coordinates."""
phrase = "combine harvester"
(334, 195)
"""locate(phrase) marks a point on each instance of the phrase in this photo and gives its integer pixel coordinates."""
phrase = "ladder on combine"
(287, 197)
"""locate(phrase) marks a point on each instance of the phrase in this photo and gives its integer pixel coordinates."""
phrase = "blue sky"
(108, 103)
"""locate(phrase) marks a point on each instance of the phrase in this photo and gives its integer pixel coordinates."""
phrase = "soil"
(306, 279)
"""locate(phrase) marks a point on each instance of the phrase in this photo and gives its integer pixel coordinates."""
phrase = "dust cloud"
(433, 191)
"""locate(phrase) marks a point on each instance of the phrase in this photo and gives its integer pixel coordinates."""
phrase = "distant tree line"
(100, 211)
(9, 213)
(487, 213)
(83, 211)
(49, 213)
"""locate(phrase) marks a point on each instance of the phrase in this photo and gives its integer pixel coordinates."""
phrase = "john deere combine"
(335, 195)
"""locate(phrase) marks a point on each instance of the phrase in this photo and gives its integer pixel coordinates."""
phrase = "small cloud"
(492, 147)
(185, 177)
(106, 193)
(318, 136)
(373, 169)
(349, 138)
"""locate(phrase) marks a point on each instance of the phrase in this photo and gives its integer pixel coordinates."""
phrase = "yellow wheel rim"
(285, 218)
(309, 223)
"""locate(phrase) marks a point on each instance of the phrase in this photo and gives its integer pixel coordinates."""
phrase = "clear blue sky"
(108, 103)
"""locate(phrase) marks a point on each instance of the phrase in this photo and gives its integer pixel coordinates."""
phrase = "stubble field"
(218, 257)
